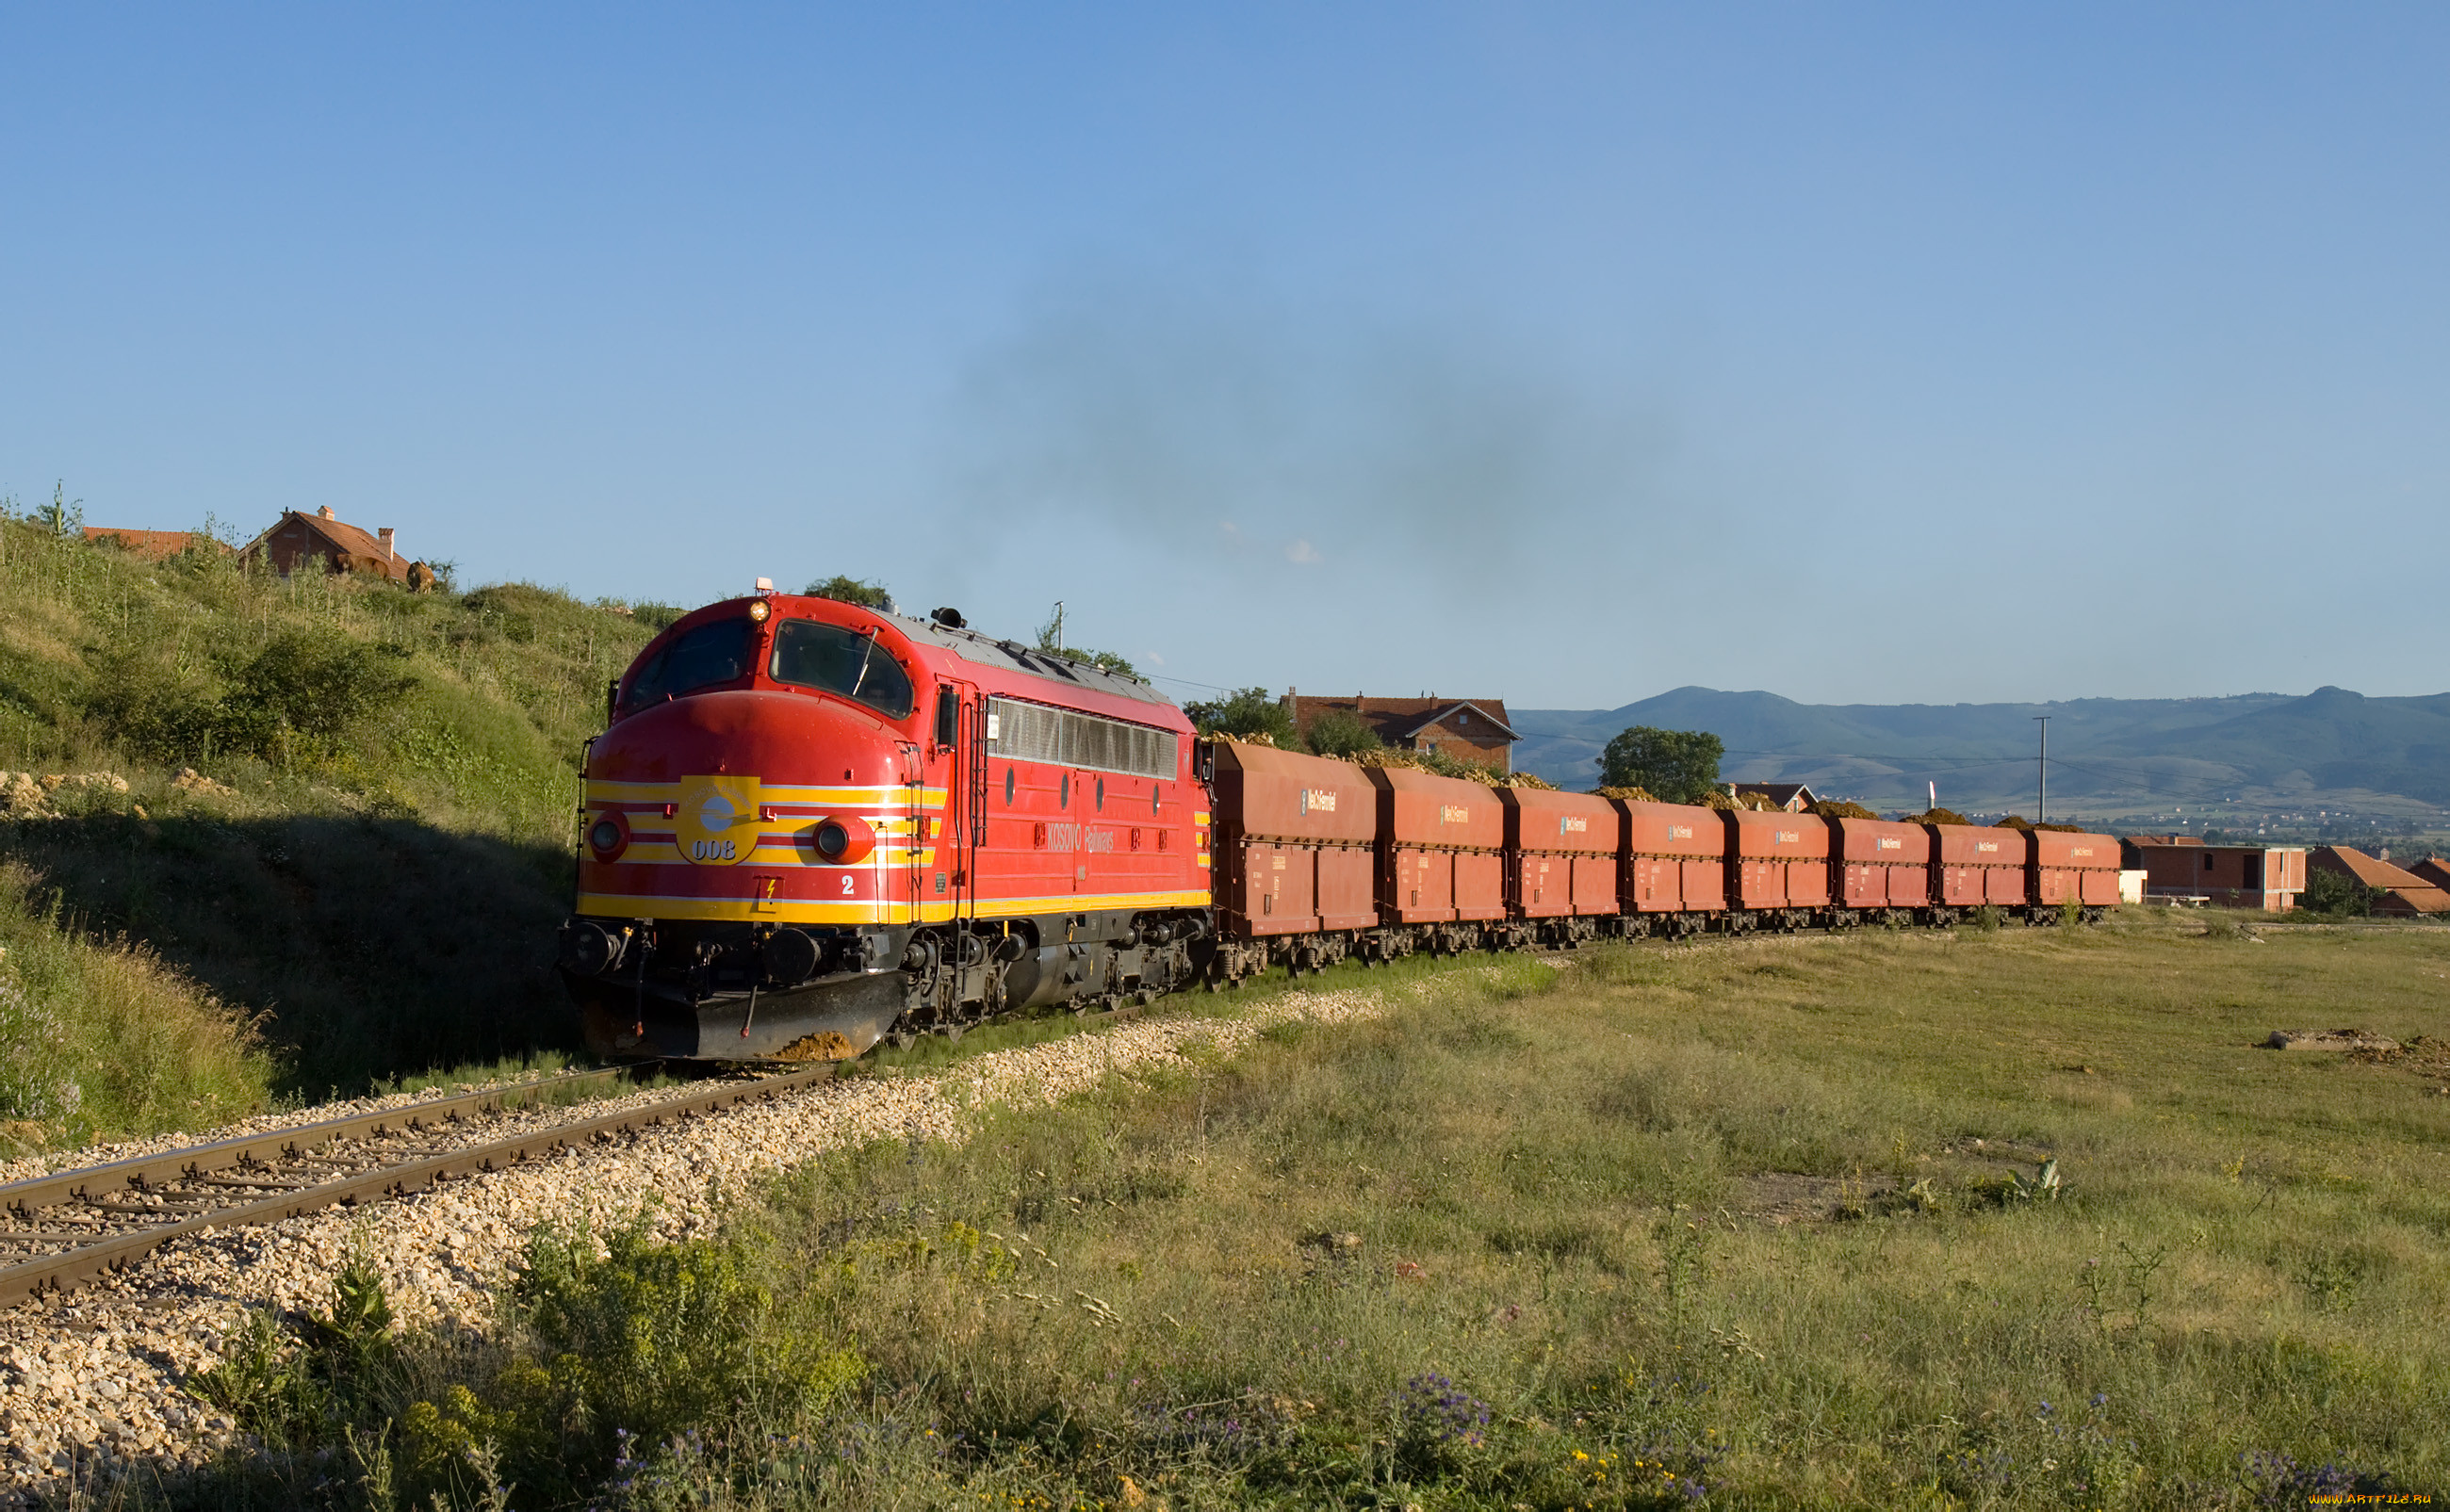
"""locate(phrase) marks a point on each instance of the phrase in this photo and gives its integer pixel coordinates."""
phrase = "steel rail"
(140, 1172)
(49, 1275)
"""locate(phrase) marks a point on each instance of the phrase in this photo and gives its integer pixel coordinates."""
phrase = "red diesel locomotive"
(810, 824)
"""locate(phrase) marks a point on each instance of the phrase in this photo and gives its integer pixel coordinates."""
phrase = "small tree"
(1340, 732)
(1242, 714)
(851, 591)
(2336, 894)
(1679, 765)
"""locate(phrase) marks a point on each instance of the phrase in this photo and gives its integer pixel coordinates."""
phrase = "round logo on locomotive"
(715, 822)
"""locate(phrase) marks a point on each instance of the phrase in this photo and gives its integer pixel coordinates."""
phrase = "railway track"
(61, 1232)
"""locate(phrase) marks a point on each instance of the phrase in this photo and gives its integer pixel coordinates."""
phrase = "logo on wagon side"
(2079, 850)
(1679, 832)
(1572, 824)
(1892, 842)
(1453, 814)
(1986, 844)
(1790, 837)
(1318, 800)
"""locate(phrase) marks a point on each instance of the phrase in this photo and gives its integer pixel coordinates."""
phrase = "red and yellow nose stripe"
(722, 847)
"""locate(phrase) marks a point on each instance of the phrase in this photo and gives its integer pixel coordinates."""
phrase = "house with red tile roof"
(152, 546)
(2403, 893)
(327, 544)
(1472, 729)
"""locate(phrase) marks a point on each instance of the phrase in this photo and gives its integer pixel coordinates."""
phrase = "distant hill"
(2330, 748)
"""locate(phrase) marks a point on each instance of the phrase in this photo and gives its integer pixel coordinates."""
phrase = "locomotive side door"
(961, 745)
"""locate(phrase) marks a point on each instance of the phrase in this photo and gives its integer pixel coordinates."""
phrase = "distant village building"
(152, 546)
(2181, 868)
(1793, 797)
(327, 544)
(1472, 729)
(2431, 869)
(2403, 893)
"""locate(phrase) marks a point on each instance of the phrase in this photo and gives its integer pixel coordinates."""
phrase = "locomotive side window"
(1064, 737)
(948, 716)
(810, 653)
(711, 653)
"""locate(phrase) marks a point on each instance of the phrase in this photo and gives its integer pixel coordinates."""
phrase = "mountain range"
(2262, 752)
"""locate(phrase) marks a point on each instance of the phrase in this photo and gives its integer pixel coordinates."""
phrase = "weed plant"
(1998, 1219)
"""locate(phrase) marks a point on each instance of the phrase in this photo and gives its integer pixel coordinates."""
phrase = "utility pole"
(2042, 796)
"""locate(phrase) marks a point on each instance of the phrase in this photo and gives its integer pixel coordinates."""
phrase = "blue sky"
(1563, 355)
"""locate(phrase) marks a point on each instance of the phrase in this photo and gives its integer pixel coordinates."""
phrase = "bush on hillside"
(291, 703)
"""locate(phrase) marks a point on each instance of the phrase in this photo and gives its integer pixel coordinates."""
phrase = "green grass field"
(1760, 1223)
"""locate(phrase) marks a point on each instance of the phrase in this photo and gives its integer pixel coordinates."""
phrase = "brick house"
(151, 546)
(330, 544)
(2404, 894)
(2181, 867)
(1472, 729)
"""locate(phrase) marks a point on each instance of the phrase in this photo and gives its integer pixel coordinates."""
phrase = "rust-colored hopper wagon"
(1561, 849)
(1883, 870)
(1441, 862)
(1777, 868)
(1295, 857)
(1675, 875)
(2073, 868)
(1972, 868)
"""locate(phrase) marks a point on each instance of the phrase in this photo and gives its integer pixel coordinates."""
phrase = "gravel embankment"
(95, 1376)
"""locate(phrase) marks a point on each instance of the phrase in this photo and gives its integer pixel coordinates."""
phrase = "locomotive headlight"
(608, 836)
(843, 839)
(759, 610)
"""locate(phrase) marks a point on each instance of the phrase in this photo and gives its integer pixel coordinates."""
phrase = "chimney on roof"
(383, 534)
(325, 512)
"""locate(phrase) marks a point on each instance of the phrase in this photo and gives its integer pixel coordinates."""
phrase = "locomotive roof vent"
(949, 618)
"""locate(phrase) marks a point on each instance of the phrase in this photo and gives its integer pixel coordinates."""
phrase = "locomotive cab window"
(711, 654)
(811, 654)
(948, 717)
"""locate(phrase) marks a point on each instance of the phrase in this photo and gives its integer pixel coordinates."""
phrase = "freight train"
(809, 825)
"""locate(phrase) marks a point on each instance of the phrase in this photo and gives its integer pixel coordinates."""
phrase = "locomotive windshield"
(716, 653)
(811, 654)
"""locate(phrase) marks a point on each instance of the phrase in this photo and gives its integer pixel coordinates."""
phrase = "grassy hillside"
(370, 846)
(2017, 1219)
